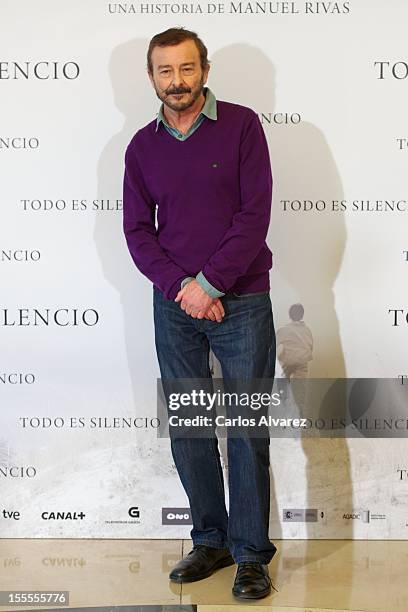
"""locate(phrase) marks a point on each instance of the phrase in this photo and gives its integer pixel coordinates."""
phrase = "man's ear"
(206, 71)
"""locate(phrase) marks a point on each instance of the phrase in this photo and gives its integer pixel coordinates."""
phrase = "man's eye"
(164, 72)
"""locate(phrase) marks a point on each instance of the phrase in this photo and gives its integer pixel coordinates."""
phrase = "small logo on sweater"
(215, 165)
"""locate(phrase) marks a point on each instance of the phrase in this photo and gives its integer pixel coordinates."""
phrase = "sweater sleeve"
(247, 233)
(141, 234)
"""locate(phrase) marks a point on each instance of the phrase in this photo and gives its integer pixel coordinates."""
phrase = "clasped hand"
(198, 304)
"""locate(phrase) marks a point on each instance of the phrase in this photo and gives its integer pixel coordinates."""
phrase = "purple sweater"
(213, 193)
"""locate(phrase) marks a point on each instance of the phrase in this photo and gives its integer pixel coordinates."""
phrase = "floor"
(308, 575)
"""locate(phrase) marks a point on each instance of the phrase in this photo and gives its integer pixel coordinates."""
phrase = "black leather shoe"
(252, 581)
(200, 563)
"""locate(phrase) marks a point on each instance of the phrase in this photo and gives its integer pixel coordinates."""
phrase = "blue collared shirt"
(209, 110)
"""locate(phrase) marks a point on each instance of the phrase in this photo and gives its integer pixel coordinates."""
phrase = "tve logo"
(10, 514)
(176, 516)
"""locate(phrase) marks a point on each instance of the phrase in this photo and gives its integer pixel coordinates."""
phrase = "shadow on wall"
(307, 249)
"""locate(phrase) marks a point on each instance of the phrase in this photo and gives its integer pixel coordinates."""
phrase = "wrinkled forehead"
(176, 55)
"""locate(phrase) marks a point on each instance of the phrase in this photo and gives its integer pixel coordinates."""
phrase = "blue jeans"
(244, 343)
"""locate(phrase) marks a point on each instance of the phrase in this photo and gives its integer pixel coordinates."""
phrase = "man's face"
(177, 75)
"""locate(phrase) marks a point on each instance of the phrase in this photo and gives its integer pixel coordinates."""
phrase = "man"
(205, 164)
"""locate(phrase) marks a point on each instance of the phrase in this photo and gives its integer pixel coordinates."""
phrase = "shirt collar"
(209, 109)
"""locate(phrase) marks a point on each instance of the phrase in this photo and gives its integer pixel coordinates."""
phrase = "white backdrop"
(335, 121)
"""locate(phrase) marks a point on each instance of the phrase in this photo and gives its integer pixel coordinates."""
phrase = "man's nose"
(178, 79)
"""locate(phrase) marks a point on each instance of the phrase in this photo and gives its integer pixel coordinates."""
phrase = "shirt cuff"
(208, 288)
(185, 281)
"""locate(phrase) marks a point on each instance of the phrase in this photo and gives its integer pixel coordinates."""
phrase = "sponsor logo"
(62, 516)
(301, 515)
(365, 516)
(133, 513)
(10, 514)
(176, 516)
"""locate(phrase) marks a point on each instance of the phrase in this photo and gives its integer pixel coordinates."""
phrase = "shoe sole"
(219, 565)
(255, 596)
